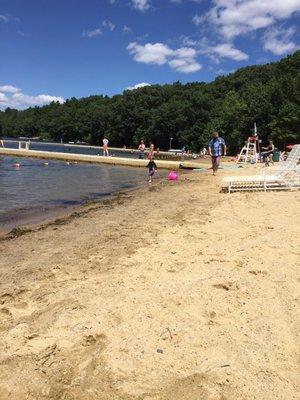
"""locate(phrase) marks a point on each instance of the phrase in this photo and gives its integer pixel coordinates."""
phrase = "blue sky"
(63, 48)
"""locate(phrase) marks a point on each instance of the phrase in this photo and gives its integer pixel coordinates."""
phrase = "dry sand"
(173, 292)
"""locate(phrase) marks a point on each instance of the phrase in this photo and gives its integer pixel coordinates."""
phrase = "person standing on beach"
(152, 168)
(217, 148)
(105, 147)
(141, 150)
(151, 165)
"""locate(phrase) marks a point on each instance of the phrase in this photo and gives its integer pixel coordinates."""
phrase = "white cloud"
(185, 52)
(185, 65)
(199, 19)
(278, 41)
(3, 97)
(109, 25)
(181, 1)
(236, 17)
(181, 60)
(138, 86)
(223, 72)
(127, 29)
(3, 18)
(9, 18)
(93, 33)
(149, 53)
(19, 100)
(187, 41)
(225, 50)
(141, 5)
(9, 89)
(98, 32)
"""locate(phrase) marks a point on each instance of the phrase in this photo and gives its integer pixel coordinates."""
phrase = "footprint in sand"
(6, 317)
(225, 286)
(91, 340)
(6, 298)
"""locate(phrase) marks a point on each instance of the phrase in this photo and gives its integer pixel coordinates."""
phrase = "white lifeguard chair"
(250, 151)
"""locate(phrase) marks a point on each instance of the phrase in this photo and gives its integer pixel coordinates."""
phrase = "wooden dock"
(90, 146)
(122, 161)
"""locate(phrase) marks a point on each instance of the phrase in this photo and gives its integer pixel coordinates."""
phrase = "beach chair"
(286, 176)
(292, 158)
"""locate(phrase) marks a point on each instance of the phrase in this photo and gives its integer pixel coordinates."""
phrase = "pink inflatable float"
(173, 176)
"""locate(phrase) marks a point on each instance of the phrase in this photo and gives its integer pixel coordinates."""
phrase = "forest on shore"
(266, 94)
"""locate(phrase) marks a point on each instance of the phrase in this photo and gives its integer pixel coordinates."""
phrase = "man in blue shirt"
(217, 149)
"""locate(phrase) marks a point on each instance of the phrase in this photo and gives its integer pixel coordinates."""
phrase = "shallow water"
(33, 191)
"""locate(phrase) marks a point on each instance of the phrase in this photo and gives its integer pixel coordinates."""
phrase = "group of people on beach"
(216, 149)
(152, 168)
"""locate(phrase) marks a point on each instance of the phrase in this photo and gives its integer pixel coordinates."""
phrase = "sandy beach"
(176, 291)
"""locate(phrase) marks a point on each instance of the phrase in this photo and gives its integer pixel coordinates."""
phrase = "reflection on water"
(35, 186)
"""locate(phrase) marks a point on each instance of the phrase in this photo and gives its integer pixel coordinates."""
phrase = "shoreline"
(176, 291)
(60, 214)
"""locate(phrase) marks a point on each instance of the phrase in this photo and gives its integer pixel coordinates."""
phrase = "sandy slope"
(176, 292)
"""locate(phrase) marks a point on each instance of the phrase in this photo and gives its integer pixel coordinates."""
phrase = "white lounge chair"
(286, 176)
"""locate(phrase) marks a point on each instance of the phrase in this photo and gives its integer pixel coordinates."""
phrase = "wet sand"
(176, 291)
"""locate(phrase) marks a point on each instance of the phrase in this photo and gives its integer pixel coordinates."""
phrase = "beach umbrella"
(289, 146)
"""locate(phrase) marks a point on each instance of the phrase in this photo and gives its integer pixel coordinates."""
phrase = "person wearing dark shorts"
(269, 151)
(151, 168)
(217, 149)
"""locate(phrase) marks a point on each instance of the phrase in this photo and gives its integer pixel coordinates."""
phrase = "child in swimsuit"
(152, 168)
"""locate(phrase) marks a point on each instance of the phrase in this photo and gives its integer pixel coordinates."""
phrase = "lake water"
(34, 191)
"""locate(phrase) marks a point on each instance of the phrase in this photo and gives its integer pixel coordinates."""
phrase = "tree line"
(188, 113)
